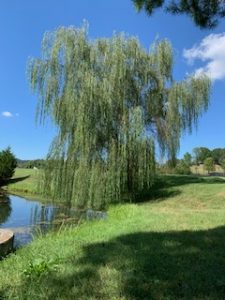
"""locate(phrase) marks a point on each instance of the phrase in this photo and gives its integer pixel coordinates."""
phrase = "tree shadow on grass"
(179, 180)
(167, 186)
(165, 265)
(157, 193)
(13, 180)
(145, 265)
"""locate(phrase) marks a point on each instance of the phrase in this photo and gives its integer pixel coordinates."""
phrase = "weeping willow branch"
(107, 97)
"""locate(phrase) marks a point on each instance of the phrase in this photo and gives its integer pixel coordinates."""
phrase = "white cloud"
(7, 114)
(210, 51)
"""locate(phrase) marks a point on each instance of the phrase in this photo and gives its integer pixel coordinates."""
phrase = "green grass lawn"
(24, 181)
(172, 246)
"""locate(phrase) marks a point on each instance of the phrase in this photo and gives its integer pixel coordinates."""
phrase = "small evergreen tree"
(8, 164)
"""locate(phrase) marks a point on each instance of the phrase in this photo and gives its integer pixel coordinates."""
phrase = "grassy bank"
(24, 182)
(169, 247)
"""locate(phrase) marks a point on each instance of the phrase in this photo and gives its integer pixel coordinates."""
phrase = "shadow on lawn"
(179, 180)
(167, 186)
(142, 265)
(13, 180)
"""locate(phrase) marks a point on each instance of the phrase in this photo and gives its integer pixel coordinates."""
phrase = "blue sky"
(23, 23)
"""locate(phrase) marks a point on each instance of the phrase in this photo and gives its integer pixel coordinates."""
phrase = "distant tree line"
(30, 164)
(209, 158)
(200, 155)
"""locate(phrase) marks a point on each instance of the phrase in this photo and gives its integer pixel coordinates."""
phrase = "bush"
(8, 164)
(182, 168)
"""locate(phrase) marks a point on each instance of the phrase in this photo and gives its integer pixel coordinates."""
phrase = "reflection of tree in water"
(47, 217)
(42, 216)
(5, 209)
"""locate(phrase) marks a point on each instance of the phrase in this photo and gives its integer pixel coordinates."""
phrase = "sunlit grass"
(169, 247)
(24, 181)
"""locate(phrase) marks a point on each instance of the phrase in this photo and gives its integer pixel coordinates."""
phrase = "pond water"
(26, 218)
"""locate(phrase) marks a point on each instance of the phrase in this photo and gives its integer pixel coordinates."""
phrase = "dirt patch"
(221, 194)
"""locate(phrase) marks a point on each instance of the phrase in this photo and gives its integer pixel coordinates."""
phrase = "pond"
(26, 218)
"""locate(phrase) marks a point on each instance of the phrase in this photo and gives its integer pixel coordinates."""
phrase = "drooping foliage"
(205, 13)
(110, 100)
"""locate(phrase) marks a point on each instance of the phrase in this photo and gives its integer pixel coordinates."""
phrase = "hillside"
(200, 170)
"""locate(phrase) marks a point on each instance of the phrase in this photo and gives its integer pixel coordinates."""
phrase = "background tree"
(111, 101)
(223, 165)
(8, 164)
(205, 13)
(187, 159)
(200, 154)
(209, 164)
(218, 155)
(182, 168)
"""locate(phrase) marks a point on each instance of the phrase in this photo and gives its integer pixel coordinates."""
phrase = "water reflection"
(27, 218)
(5, 209)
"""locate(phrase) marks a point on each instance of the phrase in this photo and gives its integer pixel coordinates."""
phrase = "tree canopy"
(111, 100)
(218, 155)
(205, 13)
(200, 154)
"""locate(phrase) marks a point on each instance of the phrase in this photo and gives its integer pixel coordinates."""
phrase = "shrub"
(182, 168)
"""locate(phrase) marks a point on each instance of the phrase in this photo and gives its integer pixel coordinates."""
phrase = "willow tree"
(111, 101)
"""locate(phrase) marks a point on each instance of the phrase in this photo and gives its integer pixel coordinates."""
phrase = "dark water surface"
(26, 218)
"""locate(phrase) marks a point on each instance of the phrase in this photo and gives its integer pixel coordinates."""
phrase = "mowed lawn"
(24, 181)
(169, 246)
